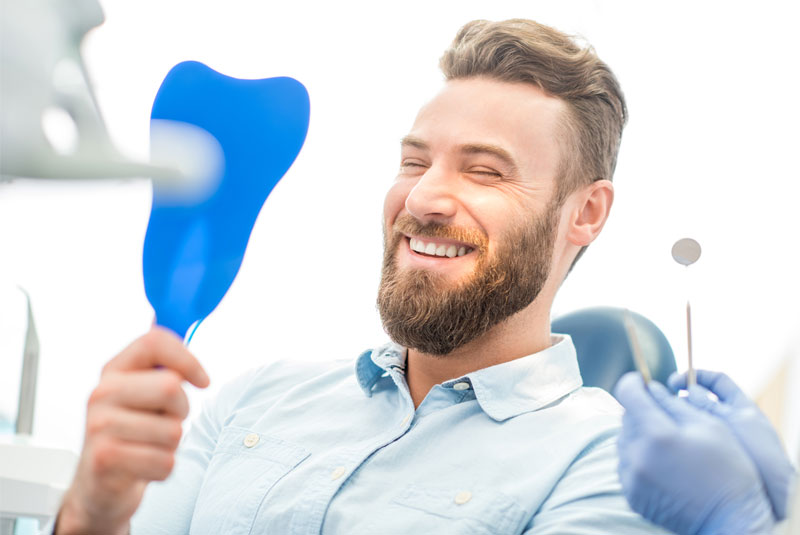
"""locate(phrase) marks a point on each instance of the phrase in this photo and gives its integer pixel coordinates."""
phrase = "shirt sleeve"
(588, 499)
(168, 506)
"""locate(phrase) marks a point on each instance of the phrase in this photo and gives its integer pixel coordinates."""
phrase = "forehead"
(519, 117)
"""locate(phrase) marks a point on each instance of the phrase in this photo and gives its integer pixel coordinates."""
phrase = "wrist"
(72, 519)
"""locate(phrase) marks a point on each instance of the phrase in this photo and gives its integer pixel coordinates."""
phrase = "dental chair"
(604, 351)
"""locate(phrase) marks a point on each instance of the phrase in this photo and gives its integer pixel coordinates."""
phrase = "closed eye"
(484, 172)
(406, 165)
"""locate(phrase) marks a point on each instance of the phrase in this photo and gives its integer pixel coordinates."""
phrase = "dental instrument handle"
(633, 339)
(691, 376)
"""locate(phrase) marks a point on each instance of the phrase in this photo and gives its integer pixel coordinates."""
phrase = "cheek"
(395, 201)
(496, 214)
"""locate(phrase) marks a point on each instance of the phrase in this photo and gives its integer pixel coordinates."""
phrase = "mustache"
(409, 225)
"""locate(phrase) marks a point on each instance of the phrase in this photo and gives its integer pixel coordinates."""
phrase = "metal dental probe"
(686, 251)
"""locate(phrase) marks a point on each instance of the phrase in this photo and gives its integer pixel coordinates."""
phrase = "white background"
(710, 152)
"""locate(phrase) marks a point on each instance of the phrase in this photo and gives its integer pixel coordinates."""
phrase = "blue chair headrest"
(604, 351)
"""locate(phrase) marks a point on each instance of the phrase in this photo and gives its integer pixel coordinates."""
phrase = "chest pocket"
(453, 511)
(244, 468)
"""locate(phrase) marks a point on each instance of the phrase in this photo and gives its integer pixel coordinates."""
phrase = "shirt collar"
(504, 390)
(371, 364)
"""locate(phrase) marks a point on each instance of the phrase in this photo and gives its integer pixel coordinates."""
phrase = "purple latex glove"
(683, 468)
(753, 430)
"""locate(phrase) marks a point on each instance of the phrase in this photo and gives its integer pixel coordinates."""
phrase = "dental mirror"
(196, 239)
(686, 252)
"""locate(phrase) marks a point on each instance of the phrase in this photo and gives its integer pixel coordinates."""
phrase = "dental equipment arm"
(41, 70)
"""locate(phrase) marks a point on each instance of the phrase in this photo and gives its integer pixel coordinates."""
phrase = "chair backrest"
(604, 351)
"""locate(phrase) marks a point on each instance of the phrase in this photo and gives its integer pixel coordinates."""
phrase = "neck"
(525, 333)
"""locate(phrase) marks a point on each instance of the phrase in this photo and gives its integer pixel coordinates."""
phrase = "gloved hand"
(683, 468)
(751, 427)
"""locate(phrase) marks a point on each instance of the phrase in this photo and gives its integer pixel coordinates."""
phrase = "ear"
(590, 207)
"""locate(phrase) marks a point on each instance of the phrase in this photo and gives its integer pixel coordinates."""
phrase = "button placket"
(337, 472)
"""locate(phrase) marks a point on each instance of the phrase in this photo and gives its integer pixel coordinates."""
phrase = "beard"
(423, 310)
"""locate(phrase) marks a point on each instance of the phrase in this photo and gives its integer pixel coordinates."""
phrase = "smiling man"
(473, 419)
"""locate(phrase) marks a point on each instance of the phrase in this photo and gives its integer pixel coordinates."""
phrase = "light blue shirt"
(308, 448)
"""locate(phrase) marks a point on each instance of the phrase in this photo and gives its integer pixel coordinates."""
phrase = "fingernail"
(202, 379)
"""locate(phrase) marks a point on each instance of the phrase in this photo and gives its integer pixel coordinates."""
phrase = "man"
(473, 419)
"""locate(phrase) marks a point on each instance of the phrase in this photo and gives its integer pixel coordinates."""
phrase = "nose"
(433, 198)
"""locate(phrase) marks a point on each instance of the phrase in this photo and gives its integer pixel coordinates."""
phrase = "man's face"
(469, 222)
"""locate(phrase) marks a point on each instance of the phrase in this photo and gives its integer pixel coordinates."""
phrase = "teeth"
(432, 249)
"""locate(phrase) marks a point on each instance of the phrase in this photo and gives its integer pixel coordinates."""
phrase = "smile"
(437, 248)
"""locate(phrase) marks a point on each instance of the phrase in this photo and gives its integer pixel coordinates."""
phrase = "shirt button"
(463, 497)
(460, 386)
(339, 472)
(251, 440)
(405, 420)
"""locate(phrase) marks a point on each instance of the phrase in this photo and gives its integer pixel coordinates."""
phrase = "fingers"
(159, 347)
(112, 458)
(724, 388)
(676, 381)
(720, 384)
(135, 426)
(677, 408)
(704, 399)
(640, 408)
(152, 390)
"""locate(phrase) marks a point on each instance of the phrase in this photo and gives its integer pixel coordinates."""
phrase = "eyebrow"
(413, 141)
(468, 148)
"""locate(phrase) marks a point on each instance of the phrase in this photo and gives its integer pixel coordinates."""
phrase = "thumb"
(724, 388)
(719, 383)
(701, 397)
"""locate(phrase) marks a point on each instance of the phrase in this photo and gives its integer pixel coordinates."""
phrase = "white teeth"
(432, 249)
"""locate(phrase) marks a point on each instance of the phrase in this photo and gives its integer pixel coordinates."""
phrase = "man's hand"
(133, 426)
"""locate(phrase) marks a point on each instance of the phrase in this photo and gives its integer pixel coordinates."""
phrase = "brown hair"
(520, 50)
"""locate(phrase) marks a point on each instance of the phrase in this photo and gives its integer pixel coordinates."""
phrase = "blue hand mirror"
(242, 136)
